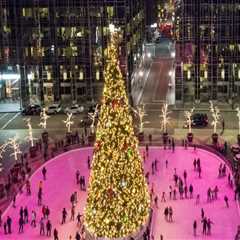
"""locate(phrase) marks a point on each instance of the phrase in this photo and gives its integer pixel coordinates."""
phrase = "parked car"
(198, 120)
(54, 108)
(74, 109)
(34, 109)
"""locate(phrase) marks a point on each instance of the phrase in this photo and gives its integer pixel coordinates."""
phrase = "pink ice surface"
(60, 184)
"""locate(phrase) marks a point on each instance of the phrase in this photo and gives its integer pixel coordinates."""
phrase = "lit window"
(97, 75)
(65, 75)
(222, 74)
(81, 75)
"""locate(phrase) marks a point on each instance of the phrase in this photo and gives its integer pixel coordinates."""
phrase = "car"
(33, 109)
(54, 108)
(74, 109)
(198, 120)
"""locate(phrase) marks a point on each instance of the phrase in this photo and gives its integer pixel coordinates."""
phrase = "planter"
(214, 138)
(238, 139)
(141, 136)
(45, 137)
(68, 138)
(91, 139)
(190, 137)
(33, 151)
(165, 138)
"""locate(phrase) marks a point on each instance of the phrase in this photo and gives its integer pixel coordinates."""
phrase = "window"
(81, 75)
(110, 11)
(43, 12)
(27, 12)
(97, 75)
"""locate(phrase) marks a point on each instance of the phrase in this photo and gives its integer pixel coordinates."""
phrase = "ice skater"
(55, 234)
(204, 222)
(44, 173)
(195, 228)
(163, 199)
(166, 213)
(64, 215)
(42, 227)
(49, 228)
(226, 201)
(198, 199)
(170, 214)
(209, 226)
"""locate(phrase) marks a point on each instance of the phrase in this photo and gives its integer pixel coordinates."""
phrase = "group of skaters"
(45, 224)
(197, 166)
(206, 224)
(80, 180)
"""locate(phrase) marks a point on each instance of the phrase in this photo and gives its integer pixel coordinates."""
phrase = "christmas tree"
(118, 200)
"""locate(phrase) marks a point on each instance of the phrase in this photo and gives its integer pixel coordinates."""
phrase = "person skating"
(156, 165)
(226, 201)
(166, 164)
(89, 162)
(174, 194)
(77, 176)
(33, 221)
(209, 224)
(185, 176)
(72, 199)
(5, 227)
(79, 220)
(55, 234)
(39, 197)
(202, 213)
(204, 222)
(42, 227)
(195, 228)
(153, 168)
(198, 199)
(47, 212)
(156, 201)
(49, 228)
(215, 192)
(166, 213)
(195, 164)
(72, 213)
(77, 237)
(147, 150)
(25, 215)
(191, 190)
(64, 215)
(44, 173)
(199, 171)
(209, 195)
(163, 199)
(21, 223)
(170, 214)
(170, 192)
(9, 225)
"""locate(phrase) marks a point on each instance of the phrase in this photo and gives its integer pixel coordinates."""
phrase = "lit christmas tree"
(118, 200)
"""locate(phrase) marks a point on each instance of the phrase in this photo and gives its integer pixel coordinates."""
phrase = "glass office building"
(207, 36)
(57, 48)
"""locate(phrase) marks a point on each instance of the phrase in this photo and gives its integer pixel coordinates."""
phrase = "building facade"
(57, 48)
(207, 36)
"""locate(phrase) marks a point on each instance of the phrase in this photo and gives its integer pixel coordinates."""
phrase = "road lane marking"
(9, 121)
(3, 116)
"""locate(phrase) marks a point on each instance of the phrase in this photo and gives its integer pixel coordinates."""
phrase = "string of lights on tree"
(118, 199)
